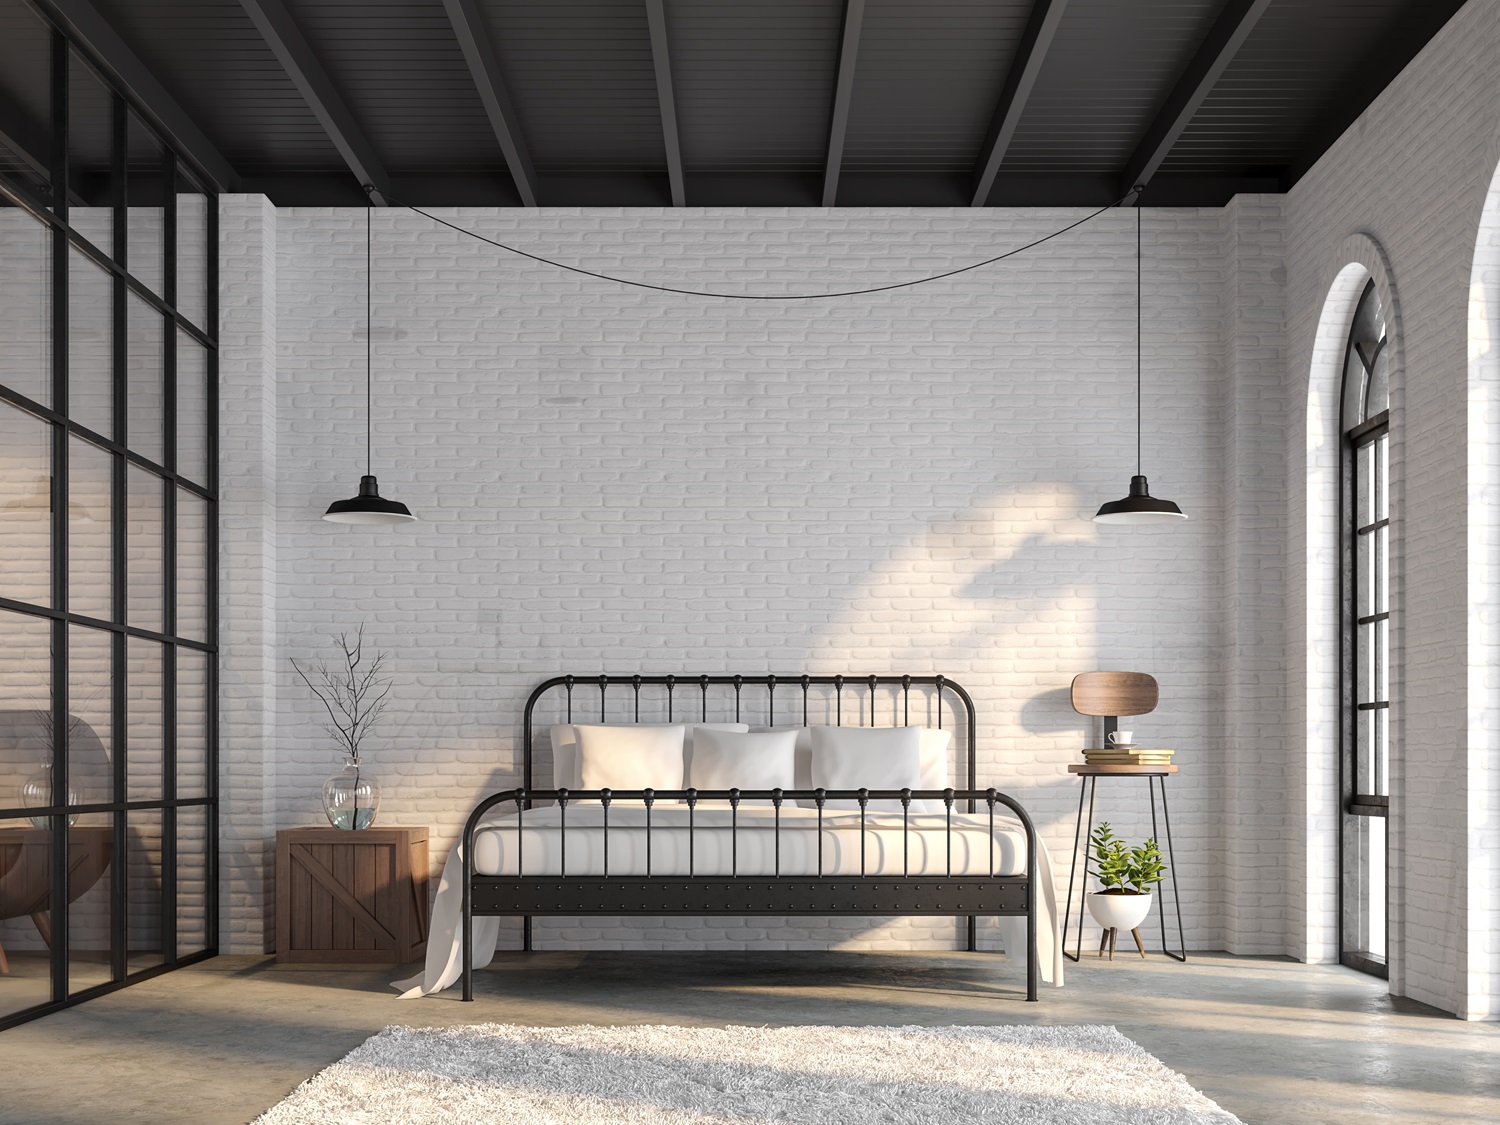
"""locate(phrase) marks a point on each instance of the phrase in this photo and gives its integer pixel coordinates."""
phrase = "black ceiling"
(738, 102)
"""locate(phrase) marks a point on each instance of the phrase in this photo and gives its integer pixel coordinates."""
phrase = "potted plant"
(1126, 875)
(354, 693)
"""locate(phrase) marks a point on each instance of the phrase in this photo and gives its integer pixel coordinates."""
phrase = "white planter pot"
(1119, 912)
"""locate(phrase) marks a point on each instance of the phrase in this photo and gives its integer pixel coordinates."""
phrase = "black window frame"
(1361, 431)
(49, 205)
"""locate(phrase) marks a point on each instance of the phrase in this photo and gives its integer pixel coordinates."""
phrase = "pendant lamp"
(368, 507)
(1139, 506)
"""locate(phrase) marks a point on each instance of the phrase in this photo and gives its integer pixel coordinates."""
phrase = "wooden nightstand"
(351, 897)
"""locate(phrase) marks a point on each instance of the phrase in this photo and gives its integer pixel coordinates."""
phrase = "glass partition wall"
(108, 365)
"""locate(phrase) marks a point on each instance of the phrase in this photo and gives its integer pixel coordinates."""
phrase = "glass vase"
(36, 793)
(351, 797)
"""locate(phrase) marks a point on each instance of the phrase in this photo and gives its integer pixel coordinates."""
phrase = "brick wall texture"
(614, 479)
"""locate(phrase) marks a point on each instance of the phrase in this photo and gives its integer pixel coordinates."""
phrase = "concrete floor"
(1271, 1040)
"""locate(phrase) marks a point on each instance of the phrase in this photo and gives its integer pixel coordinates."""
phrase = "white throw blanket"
(881, 848)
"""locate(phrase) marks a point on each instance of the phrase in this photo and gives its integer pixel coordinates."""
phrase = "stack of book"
(1127, 756)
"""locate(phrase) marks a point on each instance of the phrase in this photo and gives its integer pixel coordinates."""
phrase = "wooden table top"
(1086, 770)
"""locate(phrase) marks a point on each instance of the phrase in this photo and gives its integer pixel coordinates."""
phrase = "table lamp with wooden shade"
(1109, 695)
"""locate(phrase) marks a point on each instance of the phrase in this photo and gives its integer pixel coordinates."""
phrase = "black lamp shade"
(1140, 507)
(369, 507)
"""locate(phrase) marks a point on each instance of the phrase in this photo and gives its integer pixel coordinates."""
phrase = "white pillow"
(565, 772)
(933, 751)
(866, 758)
(725, 760)
(633, 757)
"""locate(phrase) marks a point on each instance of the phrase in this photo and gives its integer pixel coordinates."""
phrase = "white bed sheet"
(719, 849)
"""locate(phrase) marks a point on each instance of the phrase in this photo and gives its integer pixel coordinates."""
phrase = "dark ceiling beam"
(135, 79)
(1224, 39)
(484, 67)
(1041, 27)
(656, 17)
(843, 94)
(296, 57)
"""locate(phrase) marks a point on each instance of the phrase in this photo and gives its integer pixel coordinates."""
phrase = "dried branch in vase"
(353, 693)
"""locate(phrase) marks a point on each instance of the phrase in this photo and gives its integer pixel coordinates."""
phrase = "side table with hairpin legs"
(1156, 776)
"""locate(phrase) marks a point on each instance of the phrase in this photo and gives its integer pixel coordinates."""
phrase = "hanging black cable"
(755, 296)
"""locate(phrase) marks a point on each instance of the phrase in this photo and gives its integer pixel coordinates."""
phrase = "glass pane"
(90, 155)
(26, 860)
(192, 409)
(26, 710)
(192, 566)
(90, 476)
(1382, 753)
(91, 853)
(146, 185)
(90, 720)
(1365, 663)
(26, 297)
(26, 150)
(192, 251)
(144, 731)
(192, 880)
(1354, 389)
(145, 379)
(1382, 577)
(30, 173)
(1364, 884)
(1364, 558)
(91, 385)
(1365, 734)
(1382, 468)
(1378, 397)
(1364, 492)
(25, 506)
(145, 543)
(1381, 661)
(143, 872)
(192, 723)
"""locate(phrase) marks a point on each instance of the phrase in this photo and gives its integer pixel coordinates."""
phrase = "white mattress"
(496, 849)
(748, 844)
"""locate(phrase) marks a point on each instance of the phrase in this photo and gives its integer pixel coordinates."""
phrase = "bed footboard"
(962, 895)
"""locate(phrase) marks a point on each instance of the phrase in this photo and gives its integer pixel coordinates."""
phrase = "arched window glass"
(1366, 637)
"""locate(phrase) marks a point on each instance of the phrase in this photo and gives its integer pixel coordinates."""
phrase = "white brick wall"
(1410, 178)
(249, 561)
(617, 479)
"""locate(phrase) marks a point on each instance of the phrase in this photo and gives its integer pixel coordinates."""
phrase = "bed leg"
(973, 935)
(526, 934)
(468, 942)
(468, 919)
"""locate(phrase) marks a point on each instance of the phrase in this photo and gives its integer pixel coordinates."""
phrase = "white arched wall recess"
(1480, 917)
(1315, 792)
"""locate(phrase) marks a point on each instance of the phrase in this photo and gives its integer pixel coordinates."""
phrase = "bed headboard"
(606, 698)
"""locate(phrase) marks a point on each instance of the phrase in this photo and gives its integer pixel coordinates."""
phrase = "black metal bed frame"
(603, 894)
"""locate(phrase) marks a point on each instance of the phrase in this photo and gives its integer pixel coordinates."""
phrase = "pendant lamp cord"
(369, 378)
(1138, 331)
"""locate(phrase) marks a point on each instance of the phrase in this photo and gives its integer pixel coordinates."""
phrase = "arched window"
(1365, 770)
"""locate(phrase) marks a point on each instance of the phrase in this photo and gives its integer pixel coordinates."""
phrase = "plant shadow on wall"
(1003, 597)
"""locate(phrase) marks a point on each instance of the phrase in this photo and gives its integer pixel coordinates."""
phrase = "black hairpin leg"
(1181, 955)
(1085, 794)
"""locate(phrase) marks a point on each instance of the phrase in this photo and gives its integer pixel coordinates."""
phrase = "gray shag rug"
(649, 1075)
